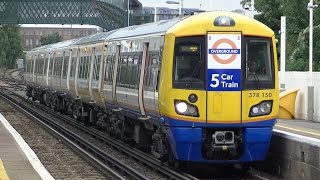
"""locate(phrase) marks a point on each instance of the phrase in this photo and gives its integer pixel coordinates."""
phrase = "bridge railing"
(104, 13)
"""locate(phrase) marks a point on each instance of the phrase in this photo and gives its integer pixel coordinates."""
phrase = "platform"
(300, 127)
(17, 159)
(294, 150)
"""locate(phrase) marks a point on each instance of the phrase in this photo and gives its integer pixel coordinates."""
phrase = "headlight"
(184, 108)
(181, 107)
(263, 108)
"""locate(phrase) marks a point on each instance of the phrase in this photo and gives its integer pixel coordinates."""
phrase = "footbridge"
(108, 14)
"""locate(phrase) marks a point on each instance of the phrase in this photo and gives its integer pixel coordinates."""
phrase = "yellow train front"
(218, 89)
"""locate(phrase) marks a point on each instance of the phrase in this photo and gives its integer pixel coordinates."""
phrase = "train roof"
(137, 30)
(94, 38)
(203, 23)
(61, 44)
(159, 27)
(180, 26)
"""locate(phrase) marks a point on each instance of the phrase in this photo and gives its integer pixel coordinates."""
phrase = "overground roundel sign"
(233, 51)
(224, 61)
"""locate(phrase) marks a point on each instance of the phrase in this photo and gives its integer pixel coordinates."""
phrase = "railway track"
(90, 151)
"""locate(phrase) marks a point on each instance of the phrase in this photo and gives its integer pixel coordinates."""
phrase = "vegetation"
(10, 45)
(50, 39)
(297, 15)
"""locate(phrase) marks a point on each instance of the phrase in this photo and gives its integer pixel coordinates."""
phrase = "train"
(199, 88)
(20, 64)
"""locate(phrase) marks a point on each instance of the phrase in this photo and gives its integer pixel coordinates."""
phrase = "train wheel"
(77, 112)
(171, 159)
(92, 117)
(245, 167)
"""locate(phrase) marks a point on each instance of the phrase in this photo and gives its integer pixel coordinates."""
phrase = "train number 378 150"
(256, 95)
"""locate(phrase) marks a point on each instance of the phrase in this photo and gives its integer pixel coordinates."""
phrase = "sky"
(208, 5)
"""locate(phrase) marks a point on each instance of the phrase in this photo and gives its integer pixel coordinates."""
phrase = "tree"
(50, 39)
(299, 60)
(297, 38)
(10, 45)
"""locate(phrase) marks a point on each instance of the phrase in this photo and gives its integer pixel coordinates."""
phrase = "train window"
(88, 66)
(85, 68)
(37, 66)
(40, 66)
(84, 62)
(32, 65)
(151, 71)
(122, 75)
(65, 66)
(27, 70)
(46, 61)
(30, 69)
(96, 67)
(259, 66)
(84, 59)
(51, 66)
(73, 66)
(57, 67)
(119, 74)
(109, 69)
(147, 73)
(80, 67)
(189, 63)
(129, 79)
(136, 71)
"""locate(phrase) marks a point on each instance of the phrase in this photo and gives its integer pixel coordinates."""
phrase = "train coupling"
(223, 141)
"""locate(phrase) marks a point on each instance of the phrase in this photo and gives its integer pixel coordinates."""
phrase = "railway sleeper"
(144, 136)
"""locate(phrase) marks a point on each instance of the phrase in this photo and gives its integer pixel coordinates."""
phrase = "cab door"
(224, 77)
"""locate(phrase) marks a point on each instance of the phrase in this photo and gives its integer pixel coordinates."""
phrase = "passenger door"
(141, 80)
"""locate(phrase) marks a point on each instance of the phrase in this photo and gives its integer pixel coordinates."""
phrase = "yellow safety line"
(307, 132)
(3, 173)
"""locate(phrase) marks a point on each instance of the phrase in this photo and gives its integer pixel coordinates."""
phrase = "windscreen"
(189, 66)
(259, 66)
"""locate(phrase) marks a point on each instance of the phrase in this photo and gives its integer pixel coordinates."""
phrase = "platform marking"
(32, 157)
(3, 173)
(297, 137)
(293, 129)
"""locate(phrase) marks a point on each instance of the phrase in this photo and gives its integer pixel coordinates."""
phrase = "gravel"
(60, 161)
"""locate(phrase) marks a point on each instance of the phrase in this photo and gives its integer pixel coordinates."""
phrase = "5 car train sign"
(224, 61)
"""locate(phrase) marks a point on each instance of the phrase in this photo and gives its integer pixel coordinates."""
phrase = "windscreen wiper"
(256, 79)
(196, 69)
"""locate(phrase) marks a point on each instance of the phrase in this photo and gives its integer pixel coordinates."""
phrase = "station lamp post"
(128, 11)
(177, 2)
(155, 13)
(310, 8)
(310, 111)
(168, 2)
(249, 5)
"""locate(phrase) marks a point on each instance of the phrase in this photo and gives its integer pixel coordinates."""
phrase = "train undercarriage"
(151, 139)
(143, 136)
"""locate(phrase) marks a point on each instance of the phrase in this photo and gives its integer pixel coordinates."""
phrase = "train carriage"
(198, 88)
